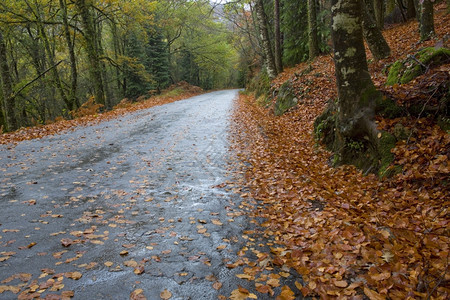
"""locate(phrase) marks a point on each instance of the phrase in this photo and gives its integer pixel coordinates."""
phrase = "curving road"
(131, 205)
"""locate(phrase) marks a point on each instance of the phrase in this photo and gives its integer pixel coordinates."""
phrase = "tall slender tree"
(89, 34)
(8, 95)
(278, 49)
(313, 44)
(265, 40)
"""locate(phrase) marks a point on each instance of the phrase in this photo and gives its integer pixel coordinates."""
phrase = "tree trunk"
(91, 49)
(411, 10)
(426, 20)
(264, 33)
(9, 100)
(278, 52)
(313, 44)
(374, 38)
(75, 103)
(51, 57)
(379, 10)
(356, 92)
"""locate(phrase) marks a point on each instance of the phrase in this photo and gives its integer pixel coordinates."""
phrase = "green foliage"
(157, 61)
(138, 78)
(294, 26)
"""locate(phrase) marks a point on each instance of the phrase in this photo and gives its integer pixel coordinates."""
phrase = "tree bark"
(75, 103)
(9, 100)
(264, 33)
(356, 92)
(374, 38)
(91, 49)
(426, 20)
(313, 45)
(278, 51)
(379, 10)
(411, 10)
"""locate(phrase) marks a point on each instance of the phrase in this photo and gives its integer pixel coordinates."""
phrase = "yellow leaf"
(109, 263)
(286, 294)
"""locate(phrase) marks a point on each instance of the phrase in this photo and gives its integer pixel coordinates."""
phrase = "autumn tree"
(353, 134)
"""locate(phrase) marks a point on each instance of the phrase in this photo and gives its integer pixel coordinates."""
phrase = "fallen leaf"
(340, 283)
(130, 263)
(66, 242)
(165, 295)
(217, 285)
(73, 275)
(137, 294)
(372, 294)
(286, 294)
(108, 263)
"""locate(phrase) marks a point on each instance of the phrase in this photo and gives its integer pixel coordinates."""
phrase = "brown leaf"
(372, 294)
(340, 283)
(66, 242)
(217, 285)
(74, 275)
(165, 295)
(139, 270)
(137, 294)
(286, 294)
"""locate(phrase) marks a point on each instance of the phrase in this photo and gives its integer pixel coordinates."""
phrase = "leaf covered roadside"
(90, 115)
(349, 235)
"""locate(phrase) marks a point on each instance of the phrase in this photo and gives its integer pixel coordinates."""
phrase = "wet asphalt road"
(146, 184)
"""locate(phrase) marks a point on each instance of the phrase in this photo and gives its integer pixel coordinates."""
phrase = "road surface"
(131, 205)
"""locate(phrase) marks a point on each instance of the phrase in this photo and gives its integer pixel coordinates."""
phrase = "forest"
(56, 55)
(340, 131)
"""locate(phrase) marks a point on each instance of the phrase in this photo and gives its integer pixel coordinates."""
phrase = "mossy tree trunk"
(356, 133)
(278, 50)
(73, 64)
(374, 38)
(89, 34)
(313, 44)
(9, 101)
(379, 10)
(265, 40)
(426, 20)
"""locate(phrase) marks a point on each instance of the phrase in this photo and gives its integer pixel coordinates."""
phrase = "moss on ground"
(403, 71)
